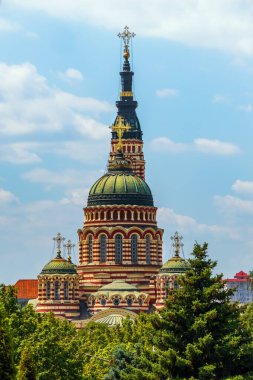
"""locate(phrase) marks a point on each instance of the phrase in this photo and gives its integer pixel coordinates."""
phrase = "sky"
(59, 80)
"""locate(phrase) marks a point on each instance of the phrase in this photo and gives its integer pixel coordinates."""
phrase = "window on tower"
(134, 249)
(48, 290)
(118, 249)
(57, 290)
(148, 249)
(90, 249)
(66, 290)
(157, 250)
(103, 248)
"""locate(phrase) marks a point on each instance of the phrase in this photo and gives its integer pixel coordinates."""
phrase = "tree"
(7, 367)
(27, 368)
(198, 335)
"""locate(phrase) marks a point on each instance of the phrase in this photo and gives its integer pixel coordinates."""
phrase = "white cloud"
(164, 144)
(186, 224)
(90, 127)
(218, 99)
(28, 104)
(167, 93)
(19, 153)
(7, 197)
(76, 197)
(8, 26)
(245, 187)
(230, 204)
(217, 24)
(71, 75)
(70, 179)
(246, 108)
(216, 147)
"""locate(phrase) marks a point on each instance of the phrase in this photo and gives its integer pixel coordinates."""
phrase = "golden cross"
(120, 127)
(126, 35)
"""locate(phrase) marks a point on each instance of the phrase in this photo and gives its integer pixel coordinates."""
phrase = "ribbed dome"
(120, 186)
(175, 265)
(119, 285)
(59, 266)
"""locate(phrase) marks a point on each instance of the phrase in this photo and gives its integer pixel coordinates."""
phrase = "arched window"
(48, 290)
(129, 301)
(116, 301)
(118, 249)
(73, 292)
(103, 302)
(103, 248)
(57, 290)
(134, 248)
(148, 249)
(90, 249)
(157, 250)
(66, 290)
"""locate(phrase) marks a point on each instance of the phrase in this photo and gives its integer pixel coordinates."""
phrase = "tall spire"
(127, 105)
(126, 129)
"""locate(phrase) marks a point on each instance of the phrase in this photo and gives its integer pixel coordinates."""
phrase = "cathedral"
(120, 271)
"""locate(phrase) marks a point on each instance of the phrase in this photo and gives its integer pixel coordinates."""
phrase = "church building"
(120, 270)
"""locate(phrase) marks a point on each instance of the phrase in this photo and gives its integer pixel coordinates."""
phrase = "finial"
(126, 36)
(59, 239)
(120, 127)
(69, 245)
(177, 243)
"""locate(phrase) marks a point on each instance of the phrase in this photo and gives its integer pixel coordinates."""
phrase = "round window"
(116, 301)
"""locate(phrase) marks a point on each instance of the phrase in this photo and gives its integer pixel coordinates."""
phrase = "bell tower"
(131, 138)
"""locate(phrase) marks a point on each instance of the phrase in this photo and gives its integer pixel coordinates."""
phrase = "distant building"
(26, 290)
(243, 287)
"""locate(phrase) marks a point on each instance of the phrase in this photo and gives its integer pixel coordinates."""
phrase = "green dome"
(176, 265)
(120, 186)
(59, 266)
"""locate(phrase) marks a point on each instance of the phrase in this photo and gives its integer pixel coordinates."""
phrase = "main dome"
(120, 186)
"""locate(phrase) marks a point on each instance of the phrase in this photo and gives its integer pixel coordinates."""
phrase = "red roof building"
(242, 283)
(27, 289)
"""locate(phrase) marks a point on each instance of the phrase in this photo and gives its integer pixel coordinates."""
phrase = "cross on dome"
(177, 243)
(120, 127)
(59, 239)
(69, 246)
(126, 36)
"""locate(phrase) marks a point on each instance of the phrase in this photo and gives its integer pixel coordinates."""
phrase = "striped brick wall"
(133, 150)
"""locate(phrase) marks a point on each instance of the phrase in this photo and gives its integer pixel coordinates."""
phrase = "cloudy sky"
(59, 65)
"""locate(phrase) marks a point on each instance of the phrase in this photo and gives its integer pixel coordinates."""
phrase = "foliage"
(7, 367)
(27, 368)
(198, 335)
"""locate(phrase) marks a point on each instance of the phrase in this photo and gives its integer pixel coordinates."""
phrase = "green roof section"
(175, 265)
(59, 265)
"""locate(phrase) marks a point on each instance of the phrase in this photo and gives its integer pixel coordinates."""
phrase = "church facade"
(120, 270)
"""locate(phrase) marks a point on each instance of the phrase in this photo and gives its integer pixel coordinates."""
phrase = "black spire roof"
(127, 105)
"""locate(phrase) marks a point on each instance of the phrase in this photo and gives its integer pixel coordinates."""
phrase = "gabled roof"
(27, 289)
(241, 274)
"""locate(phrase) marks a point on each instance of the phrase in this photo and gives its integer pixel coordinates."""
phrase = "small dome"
(176, 264)
(120, 186)
(119, 285)
(59, 266)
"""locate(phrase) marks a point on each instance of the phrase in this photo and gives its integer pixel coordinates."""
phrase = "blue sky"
(59, 65)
